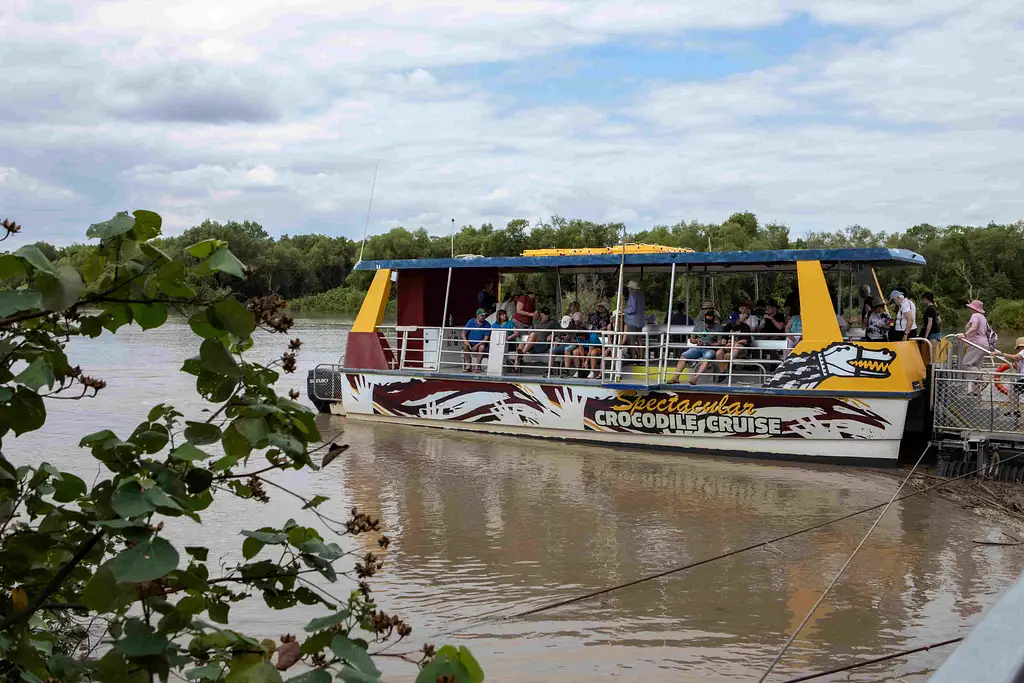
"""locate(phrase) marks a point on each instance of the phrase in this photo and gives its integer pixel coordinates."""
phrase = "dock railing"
(977, 398)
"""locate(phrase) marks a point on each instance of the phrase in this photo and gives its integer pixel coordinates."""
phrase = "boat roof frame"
(777, 260)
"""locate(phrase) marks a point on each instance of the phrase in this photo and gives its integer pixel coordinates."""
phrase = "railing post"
(732, 347)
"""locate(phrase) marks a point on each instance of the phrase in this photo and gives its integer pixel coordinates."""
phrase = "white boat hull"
(777, 423)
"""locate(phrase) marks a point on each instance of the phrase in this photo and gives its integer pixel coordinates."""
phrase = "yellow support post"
(371, 313)
(817, 315)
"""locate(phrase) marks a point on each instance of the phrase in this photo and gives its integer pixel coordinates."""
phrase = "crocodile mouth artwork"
(838, 359)
(872, 363)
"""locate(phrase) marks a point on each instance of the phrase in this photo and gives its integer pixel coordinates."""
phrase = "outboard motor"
(323, 387)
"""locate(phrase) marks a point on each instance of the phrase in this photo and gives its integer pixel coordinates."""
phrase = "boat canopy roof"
(702, 261)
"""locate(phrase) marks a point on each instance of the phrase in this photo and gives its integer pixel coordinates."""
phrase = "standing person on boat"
(705, 350)
(792, 303)
(932, 327)
(634, 312)
(526, 310)
(978, 335)
(1016, 388)
(539, 340)
(877, 326)
(906, 317)
(485, 298)
(474, 341)
(735, 343)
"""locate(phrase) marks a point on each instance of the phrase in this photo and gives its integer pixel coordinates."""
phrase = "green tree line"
(314, 272)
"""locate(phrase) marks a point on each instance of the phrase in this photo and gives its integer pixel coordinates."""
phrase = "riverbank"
(995, 500)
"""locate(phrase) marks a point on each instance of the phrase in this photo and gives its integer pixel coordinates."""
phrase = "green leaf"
(145, 562)
(466, 658)
(235, 443)
(129, 500)
(160, 499)
(254, 429)
(224, 261)
(118, 225)
(34, 257)
(252, 668)
(268, 537)
(356, 656)
(97, 438)
(210, 672)
(27, 409)
(100, 594)
(314, 676)
(142, 644)
(350, 675)
(219, 612)
(251, 548)
(330, 620)
(22, 300)
(37, 374)
(197, 551)
(201, 433)
(443, 666)
(197, 481)
(67, 488)
(94, 266)
(149, 316)
(62, 290)
(206, 325)
(147, 225)
(216, 358)
(321, 549)
(205, 248)
(315, 501)
(189, 453)
(11, 266)
(236, 318)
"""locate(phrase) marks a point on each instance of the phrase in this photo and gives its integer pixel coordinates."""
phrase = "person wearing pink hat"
(977, 333)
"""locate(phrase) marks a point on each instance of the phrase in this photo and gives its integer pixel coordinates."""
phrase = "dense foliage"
(92, 587)
(315, 271)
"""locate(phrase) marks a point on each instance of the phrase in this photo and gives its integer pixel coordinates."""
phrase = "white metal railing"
(658, 355)
(966, 400)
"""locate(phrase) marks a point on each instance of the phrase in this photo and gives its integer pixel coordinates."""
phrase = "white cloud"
(278, 112)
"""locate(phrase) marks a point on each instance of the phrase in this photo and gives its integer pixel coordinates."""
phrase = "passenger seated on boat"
(594, 351)
(706, 307)
(502, 322)
(794, 327)
(600, 318)
(707, 348)
(566, 343)
(734, 346)
(474, 341)
(774, 321)
(538, 341)
(746, 315)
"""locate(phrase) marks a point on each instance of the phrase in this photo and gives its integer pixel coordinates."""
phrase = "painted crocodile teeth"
(872, 365)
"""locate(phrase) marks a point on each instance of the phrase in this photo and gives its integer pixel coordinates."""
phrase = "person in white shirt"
(747, 316)
(906, 317)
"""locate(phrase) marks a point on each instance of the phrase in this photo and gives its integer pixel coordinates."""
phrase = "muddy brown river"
(483, 523)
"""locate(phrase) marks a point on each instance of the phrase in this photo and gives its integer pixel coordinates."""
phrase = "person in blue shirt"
(635, 316)
(474, 341)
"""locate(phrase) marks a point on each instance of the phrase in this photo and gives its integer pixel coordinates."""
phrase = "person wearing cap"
(746, 316)
(635, 314)
(877, 326)
(475, 336)
(706, 349)
(1015, 389)
(565, 344)
(774, 321)
(538, 341)
(977, 334)
(905, 326)
(735, 343)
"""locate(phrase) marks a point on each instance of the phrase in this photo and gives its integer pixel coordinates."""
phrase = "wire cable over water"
(486, 617)
(835, 579)
(876, 660)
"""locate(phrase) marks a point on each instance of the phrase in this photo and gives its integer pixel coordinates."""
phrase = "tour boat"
(831, 397)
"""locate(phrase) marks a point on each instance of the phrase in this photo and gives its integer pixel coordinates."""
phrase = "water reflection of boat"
(831, 397)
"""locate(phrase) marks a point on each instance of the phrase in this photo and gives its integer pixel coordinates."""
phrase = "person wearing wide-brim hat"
(1016, 389)
(976, 334)
(877, 328)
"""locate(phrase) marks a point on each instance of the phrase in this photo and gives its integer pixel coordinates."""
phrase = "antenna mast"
(368, 207)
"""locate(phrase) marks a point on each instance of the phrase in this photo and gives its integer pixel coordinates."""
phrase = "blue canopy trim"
(733, 261)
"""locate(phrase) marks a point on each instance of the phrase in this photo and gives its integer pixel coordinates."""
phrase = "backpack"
(992, 337)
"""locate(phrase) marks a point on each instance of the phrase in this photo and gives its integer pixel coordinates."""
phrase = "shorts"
(694, 354)
(564, 348)
(538, 349)
(935, 336)
(519, 325)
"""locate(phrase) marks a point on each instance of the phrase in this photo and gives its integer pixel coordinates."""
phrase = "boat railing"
(975, 398)
(649, 358)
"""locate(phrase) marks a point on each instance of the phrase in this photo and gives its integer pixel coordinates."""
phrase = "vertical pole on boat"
(444, 320)
(369, 206)
(558, 292)
(662, 371)
(453, 238)
(757, 287)
(687, 290)
(620, 318)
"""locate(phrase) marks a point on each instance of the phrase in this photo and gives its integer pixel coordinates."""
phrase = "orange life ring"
(1001, 369)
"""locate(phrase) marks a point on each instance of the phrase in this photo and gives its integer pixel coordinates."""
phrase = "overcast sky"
(819, 113)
